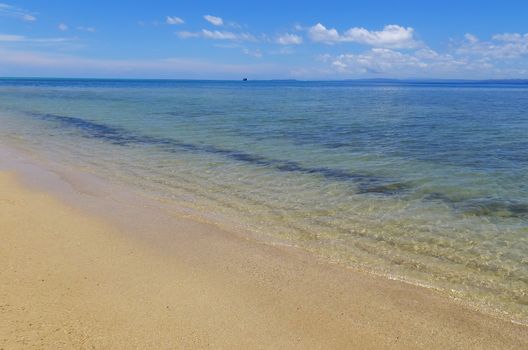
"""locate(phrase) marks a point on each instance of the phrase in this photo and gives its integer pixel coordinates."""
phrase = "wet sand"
(73, 279)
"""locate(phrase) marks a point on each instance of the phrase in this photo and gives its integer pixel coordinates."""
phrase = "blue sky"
(264, 39)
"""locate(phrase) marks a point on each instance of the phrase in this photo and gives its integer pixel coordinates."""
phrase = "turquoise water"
(427, 182)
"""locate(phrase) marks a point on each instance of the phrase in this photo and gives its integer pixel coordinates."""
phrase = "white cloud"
(470, 37)
(11, 38)
(502, 56)
(225, 35)
(289, 39)
(230, 45)
(216, 35)
(339, 64)
(377, 61)
(425, 62)
(86, 29)
(320, 33)
(63, 27)
(219, 35)
(298, 27)
(29, 18)
(217, 21)
(285, 50)
(234, 25)
(173, 20)
(186, 34)
(255, 53)
(511, 37)
(501, 46)
(7, 10)
(392, 36)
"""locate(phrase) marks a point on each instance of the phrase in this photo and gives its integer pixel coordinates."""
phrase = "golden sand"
(71, 280)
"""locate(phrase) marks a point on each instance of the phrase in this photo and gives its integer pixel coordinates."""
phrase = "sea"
(421, 181)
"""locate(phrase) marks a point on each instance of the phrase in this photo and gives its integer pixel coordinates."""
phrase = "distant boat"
(245, 79)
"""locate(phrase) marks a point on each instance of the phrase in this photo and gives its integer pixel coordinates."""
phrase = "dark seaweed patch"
(497, 208)
(437, 196)
(122, 137)
(387, 189)
(90, 129)
(483, 206)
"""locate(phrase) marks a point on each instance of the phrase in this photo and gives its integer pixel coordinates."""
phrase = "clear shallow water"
(427, 182)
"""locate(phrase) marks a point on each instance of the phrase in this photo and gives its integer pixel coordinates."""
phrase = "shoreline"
(112, 200)
(227, 290)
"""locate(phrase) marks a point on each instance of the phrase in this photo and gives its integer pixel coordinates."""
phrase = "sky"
(287, 39)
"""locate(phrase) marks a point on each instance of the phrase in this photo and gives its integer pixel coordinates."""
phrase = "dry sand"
(69, 279)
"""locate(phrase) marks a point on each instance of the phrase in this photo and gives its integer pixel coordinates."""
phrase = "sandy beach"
(71, 279)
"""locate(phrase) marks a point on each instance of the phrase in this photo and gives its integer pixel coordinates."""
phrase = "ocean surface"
(421, 181)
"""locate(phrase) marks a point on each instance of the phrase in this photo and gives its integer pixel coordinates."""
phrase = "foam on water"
(424, 182)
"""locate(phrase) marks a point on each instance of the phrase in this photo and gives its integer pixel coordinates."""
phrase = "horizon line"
(381, 80)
